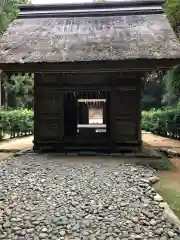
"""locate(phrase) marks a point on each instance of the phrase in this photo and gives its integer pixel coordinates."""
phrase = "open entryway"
(91, 115)
(85, 117)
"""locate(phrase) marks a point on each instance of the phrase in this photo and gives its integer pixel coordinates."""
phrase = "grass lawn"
(169, 186)
(170, 195)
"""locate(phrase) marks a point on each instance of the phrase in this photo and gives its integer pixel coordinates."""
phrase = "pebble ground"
(51, 197)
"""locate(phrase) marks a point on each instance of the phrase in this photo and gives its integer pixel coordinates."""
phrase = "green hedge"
(164, 122)
(16, 123)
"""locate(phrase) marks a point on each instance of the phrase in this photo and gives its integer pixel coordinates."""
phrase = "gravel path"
(45, 197)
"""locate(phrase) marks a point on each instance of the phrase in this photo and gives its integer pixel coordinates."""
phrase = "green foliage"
(22, 1)
(172, 10)
(19, 91)
(153, 91)
(16, 123)
(8, 12)
(178, 105)
(162, 89)
(165, 122)
(172, 85)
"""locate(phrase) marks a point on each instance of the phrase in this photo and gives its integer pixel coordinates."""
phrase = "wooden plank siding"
(128, 114)
(48, 112)
(52, 130)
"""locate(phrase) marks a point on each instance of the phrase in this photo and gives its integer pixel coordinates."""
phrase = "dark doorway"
(70, 115)
(85, 116)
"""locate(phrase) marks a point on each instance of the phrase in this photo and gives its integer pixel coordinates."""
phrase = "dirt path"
(161, 142)
(5, 155)
(148, 138)
(169, 178)
(18, 143)
(13, 144)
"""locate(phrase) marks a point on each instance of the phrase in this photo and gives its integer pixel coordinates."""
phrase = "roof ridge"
(91, 13)
(128, 7)
(93, 5)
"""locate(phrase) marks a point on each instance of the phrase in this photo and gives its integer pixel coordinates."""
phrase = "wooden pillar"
(70, 115)
(139, 109)
(36, 77)
(104, 112)
(84, 114)
(112, 117)
(48, 113)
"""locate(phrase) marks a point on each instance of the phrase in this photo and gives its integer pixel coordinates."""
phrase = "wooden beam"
(80, 89)
(112, 115)
(91, 125)
(36, 78)
(139, 108)
(91, 67)
(92, 100)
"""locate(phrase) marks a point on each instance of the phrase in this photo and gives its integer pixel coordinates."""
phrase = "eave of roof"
(87, 39)
(138, 65)
(133, 32)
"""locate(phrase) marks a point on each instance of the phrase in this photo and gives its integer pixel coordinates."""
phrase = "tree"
(18, 91)
(163, 89)
(15, 86)
(172, 86)
(8, 12)
(153, 90)
(172, 10)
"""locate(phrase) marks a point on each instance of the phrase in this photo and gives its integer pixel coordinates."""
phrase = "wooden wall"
(48, 111)
(123, 108)
(128, 112)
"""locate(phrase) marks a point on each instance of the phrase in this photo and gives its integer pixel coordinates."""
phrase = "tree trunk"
(5, 98)
(4, 80)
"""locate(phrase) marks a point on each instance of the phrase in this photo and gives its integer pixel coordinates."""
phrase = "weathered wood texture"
(70, 115)
(56, 112)
(143, 65)
(128, 110)
(48, 111)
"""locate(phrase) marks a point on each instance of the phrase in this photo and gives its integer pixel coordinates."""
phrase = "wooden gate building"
(87, 56)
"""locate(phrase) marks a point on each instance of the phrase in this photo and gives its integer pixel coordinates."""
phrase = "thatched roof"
(86, 39)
